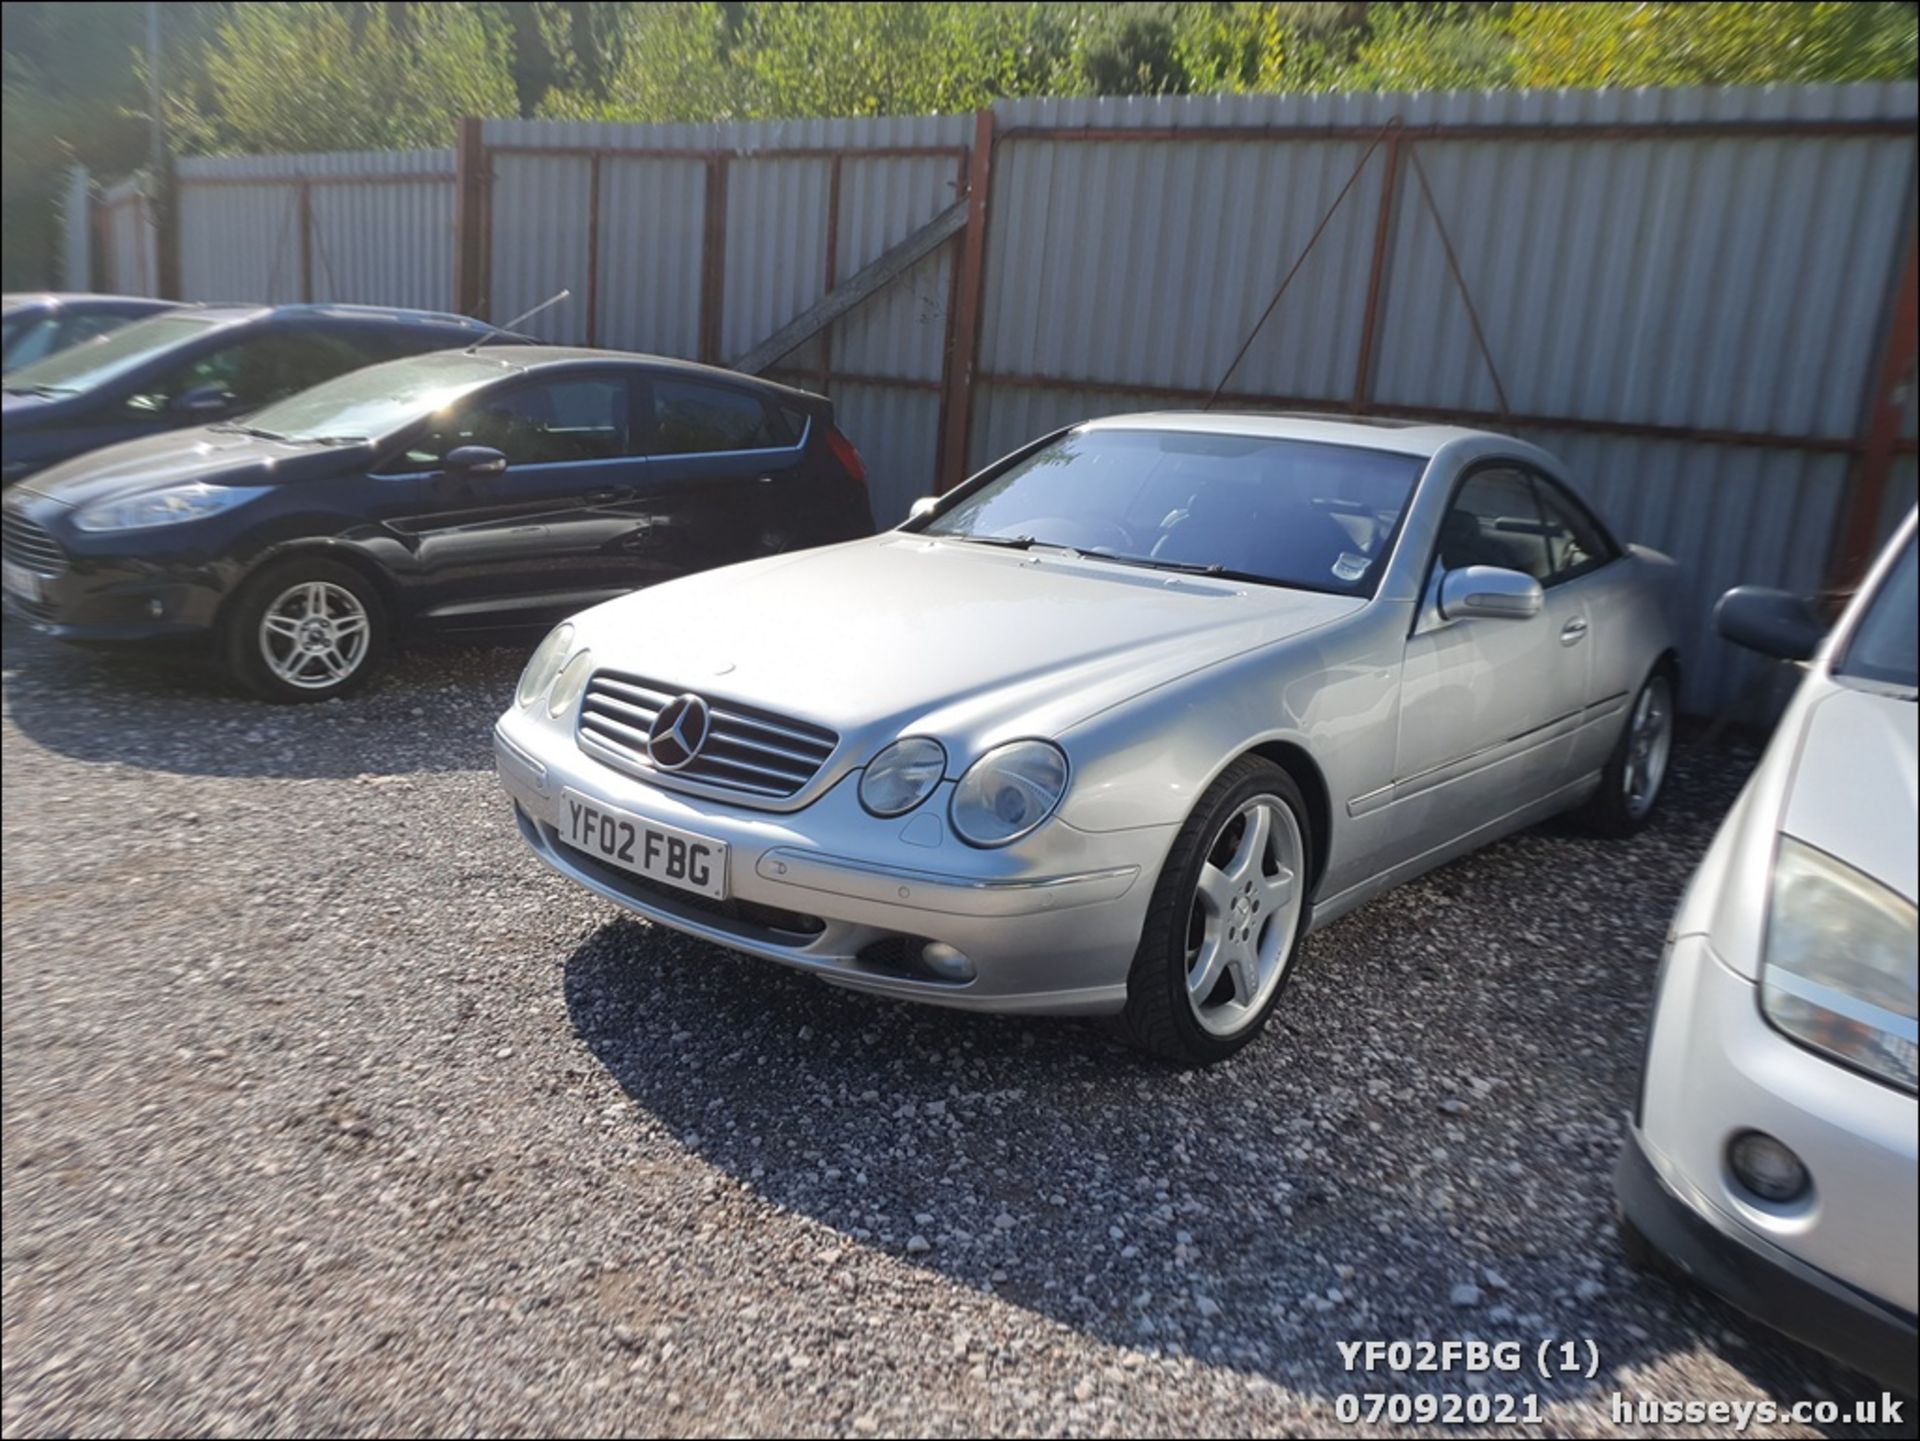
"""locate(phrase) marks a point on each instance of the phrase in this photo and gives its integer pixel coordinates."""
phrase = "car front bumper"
(1834, 1268)
(100, 596)
(1049, 925)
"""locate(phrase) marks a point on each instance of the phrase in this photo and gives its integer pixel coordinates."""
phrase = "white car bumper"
(1048, 925)
(1846, 1250)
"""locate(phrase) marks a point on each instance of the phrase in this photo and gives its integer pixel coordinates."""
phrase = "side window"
(253, 371)
(690, 418)
(1495, 521)
(1575, 542)
(541, 424)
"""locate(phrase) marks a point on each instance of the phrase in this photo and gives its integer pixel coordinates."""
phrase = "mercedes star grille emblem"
(678, 732)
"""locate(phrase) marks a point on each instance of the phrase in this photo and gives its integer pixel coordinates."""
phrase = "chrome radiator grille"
(749, 750)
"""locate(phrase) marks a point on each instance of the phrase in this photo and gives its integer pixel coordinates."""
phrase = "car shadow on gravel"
(1437, 1106)
(166, 708)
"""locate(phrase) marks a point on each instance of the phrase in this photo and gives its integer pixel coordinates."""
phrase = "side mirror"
(204, 400)
(1491, 591)
(474, 461)
(1773, 622)
(924, 506)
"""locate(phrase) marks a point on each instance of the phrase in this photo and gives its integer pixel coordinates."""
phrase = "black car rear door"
(723, 460)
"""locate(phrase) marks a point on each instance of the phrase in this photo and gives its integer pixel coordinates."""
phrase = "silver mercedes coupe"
(1110, 728)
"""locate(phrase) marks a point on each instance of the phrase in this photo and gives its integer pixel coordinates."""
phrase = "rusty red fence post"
(713, 272)
(1867, 491)
(305, 222)
(470, 220)
(958, 405)
(1376, 275)
(593, 249)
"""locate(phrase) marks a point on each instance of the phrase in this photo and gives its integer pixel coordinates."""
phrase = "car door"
(724, 462)
(1589, 597)
(551, 533)
(1488, 706)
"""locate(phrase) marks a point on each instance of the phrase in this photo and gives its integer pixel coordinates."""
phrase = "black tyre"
(304, 629)
(1636, 772)
(1226, 919)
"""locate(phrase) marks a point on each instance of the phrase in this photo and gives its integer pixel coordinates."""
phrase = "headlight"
(545, 664)
(176, 503)
(902, 776)
(573, 680)
(1008, 791)
(1839, 968)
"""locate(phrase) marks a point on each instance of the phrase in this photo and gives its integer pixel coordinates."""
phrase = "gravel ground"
(328, 1111)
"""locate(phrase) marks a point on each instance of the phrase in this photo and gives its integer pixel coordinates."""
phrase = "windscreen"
(106, 358)
(1886, 644)
(372, 403)
(1287, 512)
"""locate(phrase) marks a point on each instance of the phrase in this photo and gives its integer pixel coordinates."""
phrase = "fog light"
(945, 962)
(1767, 1167)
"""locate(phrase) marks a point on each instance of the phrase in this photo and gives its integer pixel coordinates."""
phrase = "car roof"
(235, 313)
(79, 299)
(1406, 437)
(546, 357)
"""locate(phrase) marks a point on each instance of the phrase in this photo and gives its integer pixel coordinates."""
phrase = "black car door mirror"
(473, 462)
(1773, 622)
(203, 400)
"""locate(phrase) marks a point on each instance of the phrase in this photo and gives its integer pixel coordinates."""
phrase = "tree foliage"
(251, 76)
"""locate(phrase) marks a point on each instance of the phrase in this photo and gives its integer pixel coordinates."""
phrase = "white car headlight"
(573, 680)
(902, 776)
(1838, 971)
(1008, 791)
(170, 506)
(547, 659)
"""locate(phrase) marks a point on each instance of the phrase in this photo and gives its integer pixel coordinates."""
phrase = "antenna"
(547, 304)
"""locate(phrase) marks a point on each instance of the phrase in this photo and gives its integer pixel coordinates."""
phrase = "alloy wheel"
(315, 635)
(1245, 910)
(1649, 744)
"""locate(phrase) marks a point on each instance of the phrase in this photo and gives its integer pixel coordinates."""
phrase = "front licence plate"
(18, 579)
(660, 853)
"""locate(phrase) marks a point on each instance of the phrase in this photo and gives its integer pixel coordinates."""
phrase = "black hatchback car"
(466, 490)
(197, 364)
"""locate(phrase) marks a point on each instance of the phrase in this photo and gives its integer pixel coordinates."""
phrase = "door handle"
(763, 480)
(1572, 631)
(606, 496)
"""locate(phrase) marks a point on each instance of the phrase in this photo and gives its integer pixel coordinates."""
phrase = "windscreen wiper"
(1011, 542)
(1189, 567)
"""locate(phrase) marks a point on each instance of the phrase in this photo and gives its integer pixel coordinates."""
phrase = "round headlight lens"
(573, 680)
(1008, 791)
(545, 664)
(902, 776)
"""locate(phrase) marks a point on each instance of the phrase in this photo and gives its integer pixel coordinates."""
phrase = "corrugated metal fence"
(1694, 296)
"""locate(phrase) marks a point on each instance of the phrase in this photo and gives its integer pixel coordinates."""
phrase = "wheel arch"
(317, 548)
(1296, 762)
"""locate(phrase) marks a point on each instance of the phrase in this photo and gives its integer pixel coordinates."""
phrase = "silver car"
(1109, 729)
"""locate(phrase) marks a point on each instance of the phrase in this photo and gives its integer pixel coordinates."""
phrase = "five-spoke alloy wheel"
(1226, 918)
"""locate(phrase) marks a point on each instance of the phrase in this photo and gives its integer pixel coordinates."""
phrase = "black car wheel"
(1630, 786)
(305, 630)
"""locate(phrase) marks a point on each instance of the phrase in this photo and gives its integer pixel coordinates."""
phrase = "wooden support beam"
(876, 275)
